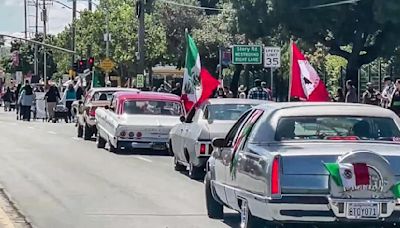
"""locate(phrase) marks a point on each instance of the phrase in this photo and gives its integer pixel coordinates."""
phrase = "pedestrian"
(387, 92)
(371, 96)
(70, 97)
(162, 89)
(258, 93)
(52, 97)
(228, 92)
(221, 93)
(177, 90)
(7, 98)
(80, 93)
(26, 100)
(395, 99)
(339, 97)
(268, 90)
(242, 92)
(351, 95)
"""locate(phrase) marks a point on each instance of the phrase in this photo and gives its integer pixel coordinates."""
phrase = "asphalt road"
(57, 180)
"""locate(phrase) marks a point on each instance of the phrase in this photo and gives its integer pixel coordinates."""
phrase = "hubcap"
(244, 214)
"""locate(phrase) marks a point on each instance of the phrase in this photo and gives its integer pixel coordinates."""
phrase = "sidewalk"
(10, 217)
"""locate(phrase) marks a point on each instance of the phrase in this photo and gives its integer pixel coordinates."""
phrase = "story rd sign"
(247, 54)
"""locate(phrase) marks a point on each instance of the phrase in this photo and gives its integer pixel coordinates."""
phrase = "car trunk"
(302, 164)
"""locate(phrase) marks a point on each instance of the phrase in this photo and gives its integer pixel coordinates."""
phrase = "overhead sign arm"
(40, 43)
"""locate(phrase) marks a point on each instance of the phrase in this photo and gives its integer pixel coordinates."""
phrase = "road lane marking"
(31, 127)
(144, 159)
(52, 132)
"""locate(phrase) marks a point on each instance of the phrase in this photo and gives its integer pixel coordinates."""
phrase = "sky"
(12, 16)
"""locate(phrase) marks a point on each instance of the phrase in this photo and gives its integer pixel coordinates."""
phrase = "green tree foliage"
(370, 28)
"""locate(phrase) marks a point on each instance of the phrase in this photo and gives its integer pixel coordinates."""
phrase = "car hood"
(149, 120)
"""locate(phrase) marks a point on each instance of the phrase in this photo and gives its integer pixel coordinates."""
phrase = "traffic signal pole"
(73, 43)
(141, 36)
(44, 39)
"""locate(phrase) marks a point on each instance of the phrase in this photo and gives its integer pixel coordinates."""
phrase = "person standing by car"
(258, 93)
(70, 97)
(371, 96)
(52, 97)
(351, 95)
(339, 97)
(388, 88)
(395, 98)
(7, 98)
(26, 100)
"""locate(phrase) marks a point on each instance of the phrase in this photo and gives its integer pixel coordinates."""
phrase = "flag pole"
(291, 67)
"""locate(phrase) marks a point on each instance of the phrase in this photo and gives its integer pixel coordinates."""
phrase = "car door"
(235, 160)
(223, 156)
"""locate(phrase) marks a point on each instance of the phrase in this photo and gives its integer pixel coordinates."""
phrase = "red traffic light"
(91, 61)
(81, 63)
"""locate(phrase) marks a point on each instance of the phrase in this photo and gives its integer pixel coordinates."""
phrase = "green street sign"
(140, 81)
(247, 54)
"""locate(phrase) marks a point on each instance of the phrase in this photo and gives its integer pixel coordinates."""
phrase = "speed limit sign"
(272, 57)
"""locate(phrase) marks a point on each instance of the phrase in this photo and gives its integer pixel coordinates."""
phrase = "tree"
(369, 28)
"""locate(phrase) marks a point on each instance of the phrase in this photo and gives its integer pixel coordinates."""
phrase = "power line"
(333, 4)
(190, 6)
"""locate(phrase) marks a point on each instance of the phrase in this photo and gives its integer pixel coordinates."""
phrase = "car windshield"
(103, 96)
(226, 111)
(337, 128)
(166, 108)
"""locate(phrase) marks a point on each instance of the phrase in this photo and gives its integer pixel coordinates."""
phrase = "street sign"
(107, 65)
(272, 57)
(247, 54)
(140, 81)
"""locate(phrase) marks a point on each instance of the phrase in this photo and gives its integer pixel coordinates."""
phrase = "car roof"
(106, 89)
(215, 101)
(147, 95)
(327, 108)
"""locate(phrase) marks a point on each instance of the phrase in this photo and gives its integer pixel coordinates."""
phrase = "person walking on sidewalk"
(7, 98)
(70, 97)
(52, 97)
(26, 100)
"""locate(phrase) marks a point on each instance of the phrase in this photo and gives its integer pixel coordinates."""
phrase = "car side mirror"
(182, 119)
(218, 143)
(80, 102)
(107, 107)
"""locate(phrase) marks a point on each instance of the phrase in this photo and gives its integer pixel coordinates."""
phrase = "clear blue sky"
(11, 16)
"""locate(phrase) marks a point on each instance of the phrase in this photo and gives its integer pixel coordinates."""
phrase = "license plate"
(363, 210)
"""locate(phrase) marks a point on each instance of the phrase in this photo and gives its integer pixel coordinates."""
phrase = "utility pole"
(36, 65)
(141, 36)
(90, 5)
(26, 19)
(44, 18)
(89, 48)
(73, 43)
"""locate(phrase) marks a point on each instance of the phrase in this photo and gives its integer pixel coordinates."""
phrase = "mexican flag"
(349, 176)
(191, 74)
(305, 84)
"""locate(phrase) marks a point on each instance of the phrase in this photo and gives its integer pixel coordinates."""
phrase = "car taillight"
(344, 138)
(92, 111)
(275, 185)
(131, 135)
(139, 135)
(122, 134)
(202, 148)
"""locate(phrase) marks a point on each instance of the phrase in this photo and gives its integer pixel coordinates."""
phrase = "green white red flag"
(192, 72)
(349, 175)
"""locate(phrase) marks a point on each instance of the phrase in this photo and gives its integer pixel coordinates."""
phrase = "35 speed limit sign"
(272, 57)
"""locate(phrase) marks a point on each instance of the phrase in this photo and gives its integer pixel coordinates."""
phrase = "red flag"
(208, 85)
(186, 102)
(305, 82)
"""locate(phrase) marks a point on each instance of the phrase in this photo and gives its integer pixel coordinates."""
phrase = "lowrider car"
(138, 120)
(86, 109)
(308, 163)
(190, 141)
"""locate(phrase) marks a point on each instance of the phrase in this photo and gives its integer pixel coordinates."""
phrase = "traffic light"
(82, 65)
(91, 63)
(75, 67)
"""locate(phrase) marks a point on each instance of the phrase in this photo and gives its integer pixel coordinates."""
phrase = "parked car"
(138, 120)
(95, 98)
(190, 141)
(308, 163)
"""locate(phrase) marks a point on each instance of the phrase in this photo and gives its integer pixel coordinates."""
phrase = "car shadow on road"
(144, 152)
(232, 220)
(186, 175)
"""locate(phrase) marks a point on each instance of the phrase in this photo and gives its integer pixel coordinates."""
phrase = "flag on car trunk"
(305, 84)
(349, 175)
(191, 74)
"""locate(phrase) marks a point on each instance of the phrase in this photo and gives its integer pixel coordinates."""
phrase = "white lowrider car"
(190, 141)
(308, 163)
(138, 120)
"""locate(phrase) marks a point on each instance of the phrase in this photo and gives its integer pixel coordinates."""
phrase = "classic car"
(85, 110)
(138, 120)
(308, 163)
(190, 141)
